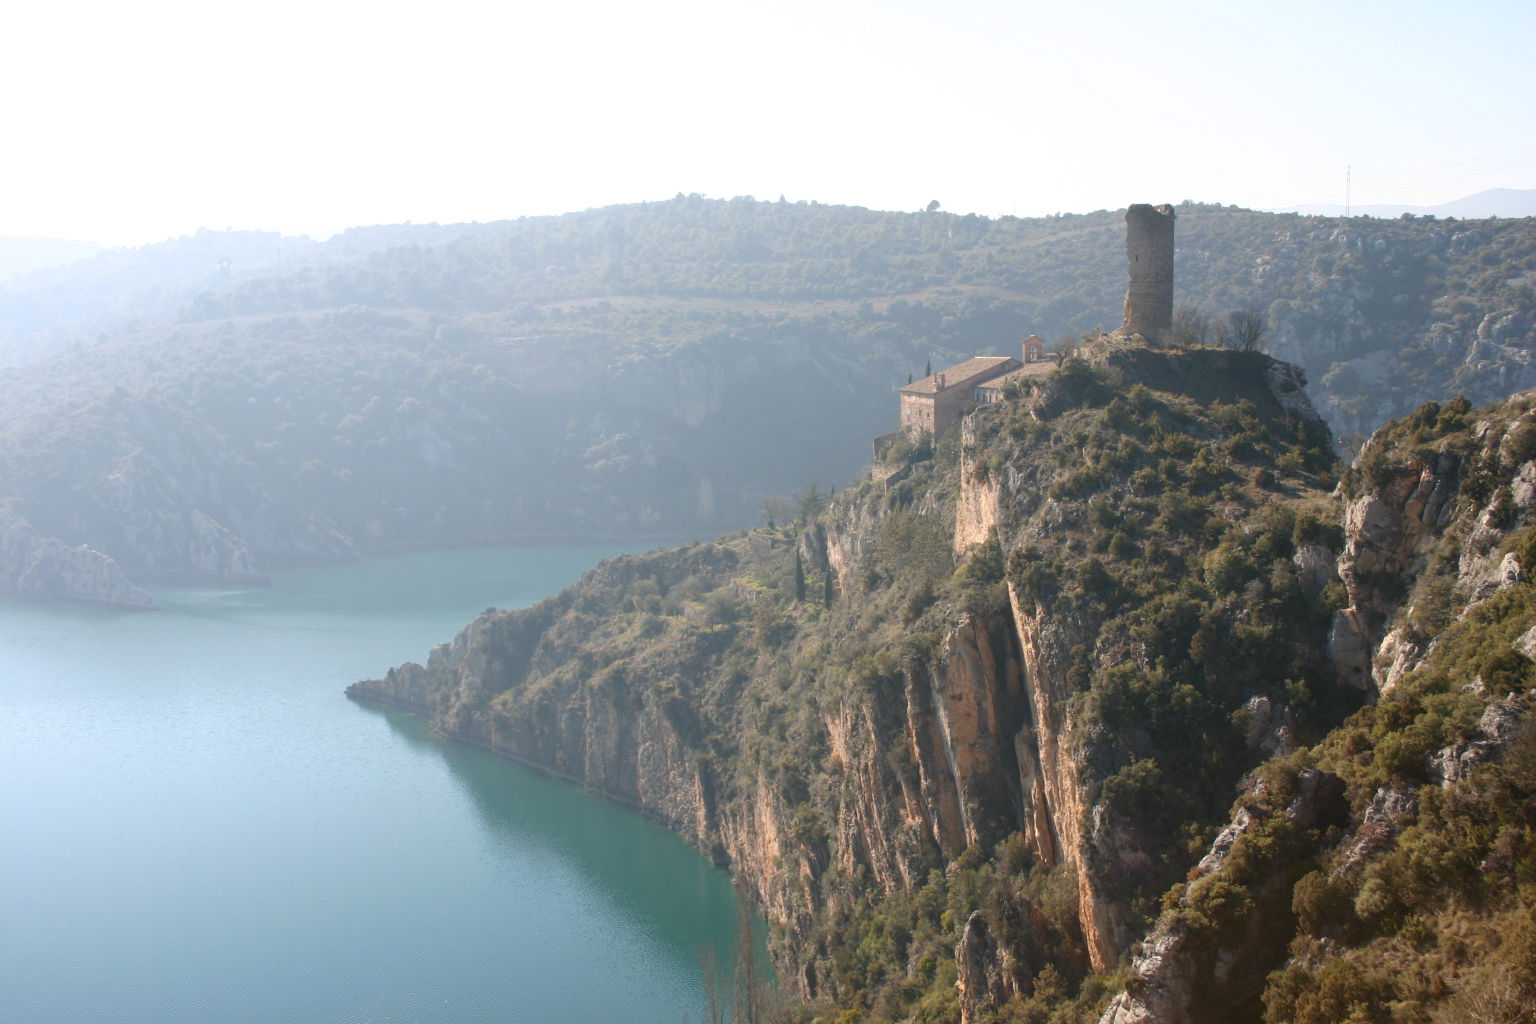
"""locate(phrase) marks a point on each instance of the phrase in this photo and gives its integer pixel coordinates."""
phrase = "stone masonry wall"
(1149, 251)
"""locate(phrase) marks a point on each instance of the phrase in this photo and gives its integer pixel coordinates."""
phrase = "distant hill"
(67, 307)
(1493, 202)
(22, 255)
(231, 402)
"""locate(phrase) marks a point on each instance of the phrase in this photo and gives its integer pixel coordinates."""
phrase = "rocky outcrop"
(1416, 513)
(34, 566)
(977, 506)
(1389, 535)
(926, 716)
(1494, 729)
(1182, 976)
(989, 974)
(1056, 806)
(954, 729)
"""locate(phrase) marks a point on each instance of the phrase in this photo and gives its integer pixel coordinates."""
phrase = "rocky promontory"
(34, 566)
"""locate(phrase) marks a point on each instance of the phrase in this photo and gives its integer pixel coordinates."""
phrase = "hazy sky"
(127, 123)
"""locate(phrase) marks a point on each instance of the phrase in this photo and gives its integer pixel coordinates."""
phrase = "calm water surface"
(195, 824)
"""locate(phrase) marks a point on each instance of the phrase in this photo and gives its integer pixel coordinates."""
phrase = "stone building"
(936, 403)
(1149, 250)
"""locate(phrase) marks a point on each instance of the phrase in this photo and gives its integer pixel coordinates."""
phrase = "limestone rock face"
(1494, 728)
(1288, 385)
(1316, 567)
(1349, 647)
(1399, 653)
(35, 566)
(1393, 532)
(988, 975)
(1391, 807)
(975, 732)
(977, 509)
(1059, 826)
(1388, 539)
(959, 719)
(1163, 987)
(1173, 967)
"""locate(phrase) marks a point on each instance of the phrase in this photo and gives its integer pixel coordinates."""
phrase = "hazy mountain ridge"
(654, 368)
(20, 254)
(1493, 202)
(1361, 297)
(326, 437)
(964, 728)
(81, 304)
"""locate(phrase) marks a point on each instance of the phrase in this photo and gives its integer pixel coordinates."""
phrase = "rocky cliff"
(35, 566)
(1012, 752)
(1384, 873)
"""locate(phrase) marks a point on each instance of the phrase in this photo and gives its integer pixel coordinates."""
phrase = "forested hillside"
(230, 402)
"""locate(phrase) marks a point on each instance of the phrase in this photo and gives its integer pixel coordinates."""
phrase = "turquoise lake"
(196, 825)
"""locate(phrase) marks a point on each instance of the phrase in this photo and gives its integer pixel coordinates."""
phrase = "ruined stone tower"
(1149, 249)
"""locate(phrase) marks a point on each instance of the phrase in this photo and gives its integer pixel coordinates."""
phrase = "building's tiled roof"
(967, 374)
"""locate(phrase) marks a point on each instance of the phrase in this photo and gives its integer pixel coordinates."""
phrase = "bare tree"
(751, 977)
(1244, 330)
(715, 987)
(1063, 347)
(750, 996)
(776, 511)
(1191, 327)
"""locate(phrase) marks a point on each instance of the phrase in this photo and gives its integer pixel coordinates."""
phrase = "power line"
(1420, 184)
(1451, 177)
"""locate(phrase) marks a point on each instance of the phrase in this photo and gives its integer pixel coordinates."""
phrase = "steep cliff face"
(913, 773)
(1192, 969)
(1390, 534)
(972, 786)
(1057, 819)
(875, 753)
(1436, 496)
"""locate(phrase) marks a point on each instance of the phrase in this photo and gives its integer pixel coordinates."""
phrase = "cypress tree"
(799, 577)
(826, 588)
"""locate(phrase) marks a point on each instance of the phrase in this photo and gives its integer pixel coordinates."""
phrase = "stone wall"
(1149, 251)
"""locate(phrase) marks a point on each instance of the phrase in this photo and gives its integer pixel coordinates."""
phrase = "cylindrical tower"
(1149, 250)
